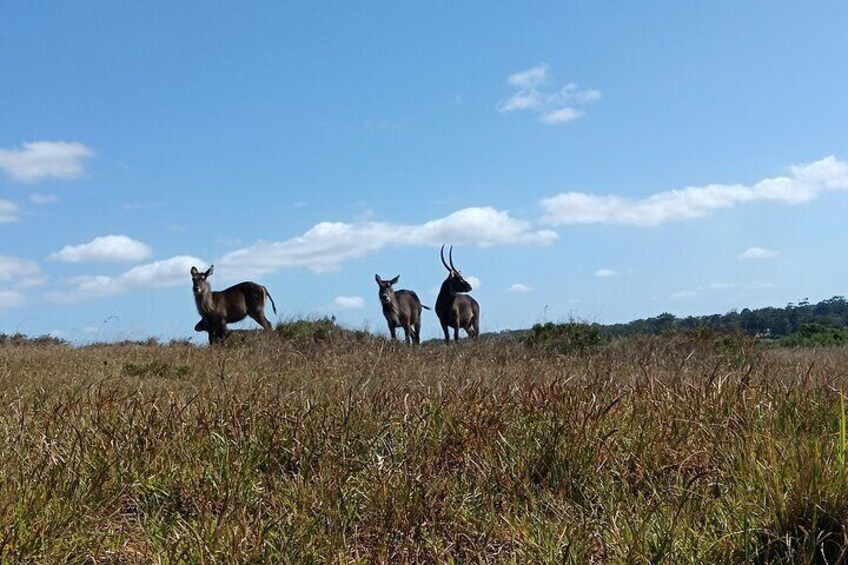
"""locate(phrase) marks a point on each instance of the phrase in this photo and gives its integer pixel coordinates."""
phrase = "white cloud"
(30, 282)
(11, 299)
(348, 302)
(37, 198)
(89, 286)
(328, 245)
(13, 268)
(45, 159)
(535, 76)
(112, 248)
(590, 95)
(561, 116)
(519, 287)
(521, 100)
(168, 272)
(758, 253)
(8, 212)
(18, 274)
(552, 106)
(804, 183)
(571, 93)
(158, 274)
(605, 273)
(473, 281)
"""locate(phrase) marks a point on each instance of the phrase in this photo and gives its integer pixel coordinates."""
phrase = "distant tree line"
(803, 319)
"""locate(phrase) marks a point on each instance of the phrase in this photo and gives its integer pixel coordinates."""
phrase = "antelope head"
(455, 280)
(199, 284)
(386, 292)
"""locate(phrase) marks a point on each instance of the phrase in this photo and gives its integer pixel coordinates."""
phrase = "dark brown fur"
(454, 309)
(219, 308)
(401, 308)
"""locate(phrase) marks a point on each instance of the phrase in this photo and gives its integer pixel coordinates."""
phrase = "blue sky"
(597, 161)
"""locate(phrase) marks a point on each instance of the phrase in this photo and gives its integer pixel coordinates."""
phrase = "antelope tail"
(268, 294)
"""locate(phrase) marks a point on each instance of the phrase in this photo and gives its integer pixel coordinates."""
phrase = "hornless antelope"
(219, 308)
(402, 309)
(456, 310)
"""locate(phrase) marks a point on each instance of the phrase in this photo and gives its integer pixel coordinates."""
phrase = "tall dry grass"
(682, 449)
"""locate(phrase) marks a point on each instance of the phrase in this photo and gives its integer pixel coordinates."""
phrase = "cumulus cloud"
(158, 274)
(39, 160)
(605, 273)
(14, 268)
(758, 253)
(519, 287)
(111, 248)
(534, 76)
(473, 281)
(328, 245)
(803, 183)
(348, 302)
(571, 93)
(11, 299)
(561, 116)
(8, 212)
(522, 100)
(17, 274)
(552, 106)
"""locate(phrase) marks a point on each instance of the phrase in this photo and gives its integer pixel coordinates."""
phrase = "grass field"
(336, 447)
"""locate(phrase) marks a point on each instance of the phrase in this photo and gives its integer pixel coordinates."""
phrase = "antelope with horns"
(454, 309)
(219, 308)
(402, 309)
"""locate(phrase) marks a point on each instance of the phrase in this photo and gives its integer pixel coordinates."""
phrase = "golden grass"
(682, 449)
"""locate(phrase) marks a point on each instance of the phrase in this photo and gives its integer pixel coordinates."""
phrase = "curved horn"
(450, 256)
(442, 254)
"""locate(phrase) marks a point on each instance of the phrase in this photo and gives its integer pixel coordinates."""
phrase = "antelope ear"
(209, 272)
(194, 271)
(377, 278)
(394, 280)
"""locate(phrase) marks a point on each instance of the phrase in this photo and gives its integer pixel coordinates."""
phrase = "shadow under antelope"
(454, 309)
(401, 308)
(233, 304)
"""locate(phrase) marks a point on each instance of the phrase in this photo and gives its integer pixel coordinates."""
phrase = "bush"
(816, 335)
(21, 339)
(564, 338)
(321, 330)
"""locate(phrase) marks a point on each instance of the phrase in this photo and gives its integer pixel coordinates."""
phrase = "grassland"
(312, 447)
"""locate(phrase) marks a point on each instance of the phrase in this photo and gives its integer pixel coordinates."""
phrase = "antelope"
(401, 308)
(219, 308)
(454, 309)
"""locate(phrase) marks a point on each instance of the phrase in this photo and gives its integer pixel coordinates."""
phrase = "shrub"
(320, 330)
(816, 335)
(564, 338)
(21, 339)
